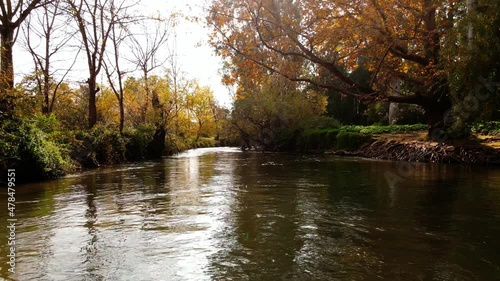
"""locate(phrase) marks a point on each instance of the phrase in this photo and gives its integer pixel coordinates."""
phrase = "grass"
(390, 129)
(487, 128)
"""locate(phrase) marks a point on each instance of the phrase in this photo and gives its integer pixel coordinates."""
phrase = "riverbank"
(413, 147)
(38, 149)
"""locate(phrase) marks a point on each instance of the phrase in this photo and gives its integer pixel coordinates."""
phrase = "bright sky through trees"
(195, 57)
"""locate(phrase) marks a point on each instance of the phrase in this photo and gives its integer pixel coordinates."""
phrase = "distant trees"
(113, 61)
(46, 35)
(200, 104)
(96, 20)
(134, 103)
(146, 43)
(115, 43)
(275, 111)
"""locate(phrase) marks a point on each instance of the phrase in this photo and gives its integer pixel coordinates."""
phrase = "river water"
(222, 214)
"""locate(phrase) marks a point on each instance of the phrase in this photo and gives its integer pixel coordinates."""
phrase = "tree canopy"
(422, 45)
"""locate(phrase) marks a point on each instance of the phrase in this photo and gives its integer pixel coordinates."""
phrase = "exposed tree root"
(422, 151)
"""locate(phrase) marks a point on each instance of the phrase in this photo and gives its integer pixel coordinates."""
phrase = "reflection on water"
(220, 214)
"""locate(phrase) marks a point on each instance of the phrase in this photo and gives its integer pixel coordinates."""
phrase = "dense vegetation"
(50, 145)
(134, 104)
(439, 58)
(309, 75)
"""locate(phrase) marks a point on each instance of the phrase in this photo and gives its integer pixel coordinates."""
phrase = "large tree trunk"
(436, 127)
(471, 4)
(393, 107)
(157, 146)
(6, 72)
(435, 106)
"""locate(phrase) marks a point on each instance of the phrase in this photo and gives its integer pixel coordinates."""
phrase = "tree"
(145, 46)
(12, 14)
(95, 20)
(322, 42)
(112, 66)
(48, 28)
(199, 104)
(269, 117)
(471, 52)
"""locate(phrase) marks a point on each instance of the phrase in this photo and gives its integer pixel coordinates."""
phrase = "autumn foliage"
(412, 49)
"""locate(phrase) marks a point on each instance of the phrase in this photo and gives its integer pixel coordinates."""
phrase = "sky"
(195, 57)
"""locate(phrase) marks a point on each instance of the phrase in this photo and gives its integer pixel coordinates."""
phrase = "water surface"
(221, 214)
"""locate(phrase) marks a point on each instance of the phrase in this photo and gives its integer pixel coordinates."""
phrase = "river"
(223, 214)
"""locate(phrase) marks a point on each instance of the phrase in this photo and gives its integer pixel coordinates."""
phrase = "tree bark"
(471, 4)
(93, 89)
(122, 114)
(146, 101)
(6, 71)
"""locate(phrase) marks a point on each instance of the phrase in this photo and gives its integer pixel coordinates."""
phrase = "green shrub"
(47, 123)
(39, 156)
(317, 139)
(101, 145)
(9, 145)
(321, 122)
(176, 144)
(285, 140)
(351, 140)
(205, 142)
(138, 140)
(109, 145)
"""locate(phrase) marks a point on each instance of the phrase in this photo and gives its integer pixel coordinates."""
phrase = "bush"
(9, 145)
(47, 123)
(138, 141)
(351, 140)
(346, 137)
(285, 140)
(39, 156)
(205, 142)
(176, 144)
(101, 145)
(321, 122)
(317, 139)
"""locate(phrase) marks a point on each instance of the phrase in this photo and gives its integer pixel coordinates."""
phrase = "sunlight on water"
(201, 151)
(223, 214)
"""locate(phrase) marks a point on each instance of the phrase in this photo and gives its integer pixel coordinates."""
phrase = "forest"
(305, 69)
(305, 74)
